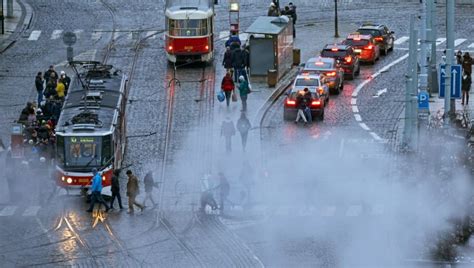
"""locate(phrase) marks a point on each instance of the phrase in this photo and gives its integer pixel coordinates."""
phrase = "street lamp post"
(336, 29)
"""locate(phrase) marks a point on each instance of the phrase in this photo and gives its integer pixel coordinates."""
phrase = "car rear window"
(332, 54)
(320, 65)
(352, 42)
(307, 82)
(370, 31)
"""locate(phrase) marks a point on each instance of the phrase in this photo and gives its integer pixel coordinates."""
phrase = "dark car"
(346, 56)
(318, 102)
(383, 37)
(364, 47)
(330, 68)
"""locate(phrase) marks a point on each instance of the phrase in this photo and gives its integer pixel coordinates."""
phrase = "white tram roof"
(187, 9)
(107, 90)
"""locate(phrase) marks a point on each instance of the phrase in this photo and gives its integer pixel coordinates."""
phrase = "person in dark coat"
(467, 63)
(25, 112)
(246, 57)
(301, 104)
(47, 74)
(228, 87)
(39, 86)
(233, 41)
(308, 98)
(237, 63)
(224, 190)
(227, 61)
(116, 189)
(132, 192)
(466, 87)
(149, 184)
(293, 12)
(243, 126)
(277, 4)
(227, 131)
(273, 11)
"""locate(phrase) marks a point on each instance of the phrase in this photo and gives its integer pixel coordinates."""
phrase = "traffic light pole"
(433, 74)
(336, 27)
(448, 103)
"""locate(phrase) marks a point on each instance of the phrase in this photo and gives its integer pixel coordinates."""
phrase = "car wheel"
(321, 116)
(341, 88)
(385, 51)
(358, 70)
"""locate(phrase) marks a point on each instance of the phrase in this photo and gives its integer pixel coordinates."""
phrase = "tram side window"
(107, 150)
(60, 149)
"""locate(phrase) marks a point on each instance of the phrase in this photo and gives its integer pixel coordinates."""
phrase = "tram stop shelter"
(271, 46)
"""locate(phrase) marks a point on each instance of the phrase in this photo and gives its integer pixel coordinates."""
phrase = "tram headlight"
(206, 47)
(69, 180)
(170, 48)
(63, 179)
(103, 178)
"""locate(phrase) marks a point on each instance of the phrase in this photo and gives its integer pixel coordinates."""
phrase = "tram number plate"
(188, 47)
(83, 180)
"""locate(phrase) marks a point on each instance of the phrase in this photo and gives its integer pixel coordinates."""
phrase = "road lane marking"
(353, 101)
(96, 35)
(354, 210)
(471, 45)
(8, 211)
(459, 41)
(440, 40)
(56, 34)
(151, 34)
(328, 211)
(401, 40)
(358, 117)
(355, 109)
(380, 92)
(364, 126)
(78, 33)
(375, 136)
(31, 211)
(34, 35)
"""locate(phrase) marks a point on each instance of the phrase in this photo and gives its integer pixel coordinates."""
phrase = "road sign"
(70, 54)
(69, 38)
(423, 100)
(456, 79)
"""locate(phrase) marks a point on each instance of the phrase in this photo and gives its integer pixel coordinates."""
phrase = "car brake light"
(316, 103)
(319, 63)
(334, 49)
(331, 74)
(290, 102)
(357, 38)
(378, 38)
(348, 59)
(369, 47)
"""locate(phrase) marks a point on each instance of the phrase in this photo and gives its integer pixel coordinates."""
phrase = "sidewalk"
(14, 26)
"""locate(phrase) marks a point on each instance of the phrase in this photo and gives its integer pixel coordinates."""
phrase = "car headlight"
(69, 180)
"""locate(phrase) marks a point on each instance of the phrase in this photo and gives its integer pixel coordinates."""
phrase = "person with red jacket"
(228, 87)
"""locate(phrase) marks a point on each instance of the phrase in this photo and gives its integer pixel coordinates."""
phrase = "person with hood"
(116, 189)
(466, 87)
(243, 126)
(228, 87)
(39, 84)
(467, 63)
(149, 184)
(237, 63)
(227, 61)
(132, 192)
(273, 11)
(96, 189)
(66, 80)
(244, 90)
(227, 131)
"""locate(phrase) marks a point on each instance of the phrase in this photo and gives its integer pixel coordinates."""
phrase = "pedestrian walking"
(244, 91)
(237, 63)
(292, 14)
(39, 84)
(224, 190)
(132, 192)
(207, 199)
(47, 74)
(467, 63)
(149, 184)
(116, 189)
(227, 61)
(273, 11)
(60, 91)
(96, 196)
(243, 126)
(307, 112)
(233, 41)
(277, 4)
(246, 57)
(466, 87)
(227, 131)
(228, 87)
(301, 104)
(459, 58)
(66, 80)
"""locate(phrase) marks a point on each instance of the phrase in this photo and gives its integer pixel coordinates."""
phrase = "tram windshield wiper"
(92, 159)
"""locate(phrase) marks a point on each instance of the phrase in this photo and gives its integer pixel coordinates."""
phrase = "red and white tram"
(91, 130)
(189, 31)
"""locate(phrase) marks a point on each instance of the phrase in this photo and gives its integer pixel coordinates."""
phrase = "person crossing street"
(116, 189)
(132, 192)
(97, 191)
(149, 184)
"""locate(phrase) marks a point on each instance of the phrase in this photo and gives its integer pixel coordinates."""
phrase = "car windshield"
(82, 151)
(334, 54)
(307, 82)
(356, 43)
(369, 31)
(319, 65)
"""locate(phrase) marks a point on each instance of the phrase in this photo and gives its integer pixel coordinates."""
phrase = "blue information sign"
(456, 80)
(423, 100)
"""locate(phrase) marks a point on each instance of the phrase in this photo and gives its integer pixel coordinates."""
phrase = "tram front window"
(82, 152)
(190, 27)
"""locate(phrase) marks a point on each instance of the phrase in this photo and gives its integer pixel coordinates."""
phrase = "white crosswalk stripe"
(328, 211)
(31, 211)
(401, 40)
(440, 40)
(8, 211)
(151, 34)
(78, 33)
(471, 45)
(56, 34)
(459, 41)
(34, 35)
(96, 35)
(354, 211)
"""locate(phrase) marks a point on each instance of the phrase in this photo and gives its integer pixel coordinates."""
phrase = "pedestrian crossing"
(94, 35)
(460, 43)
(19, 211)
